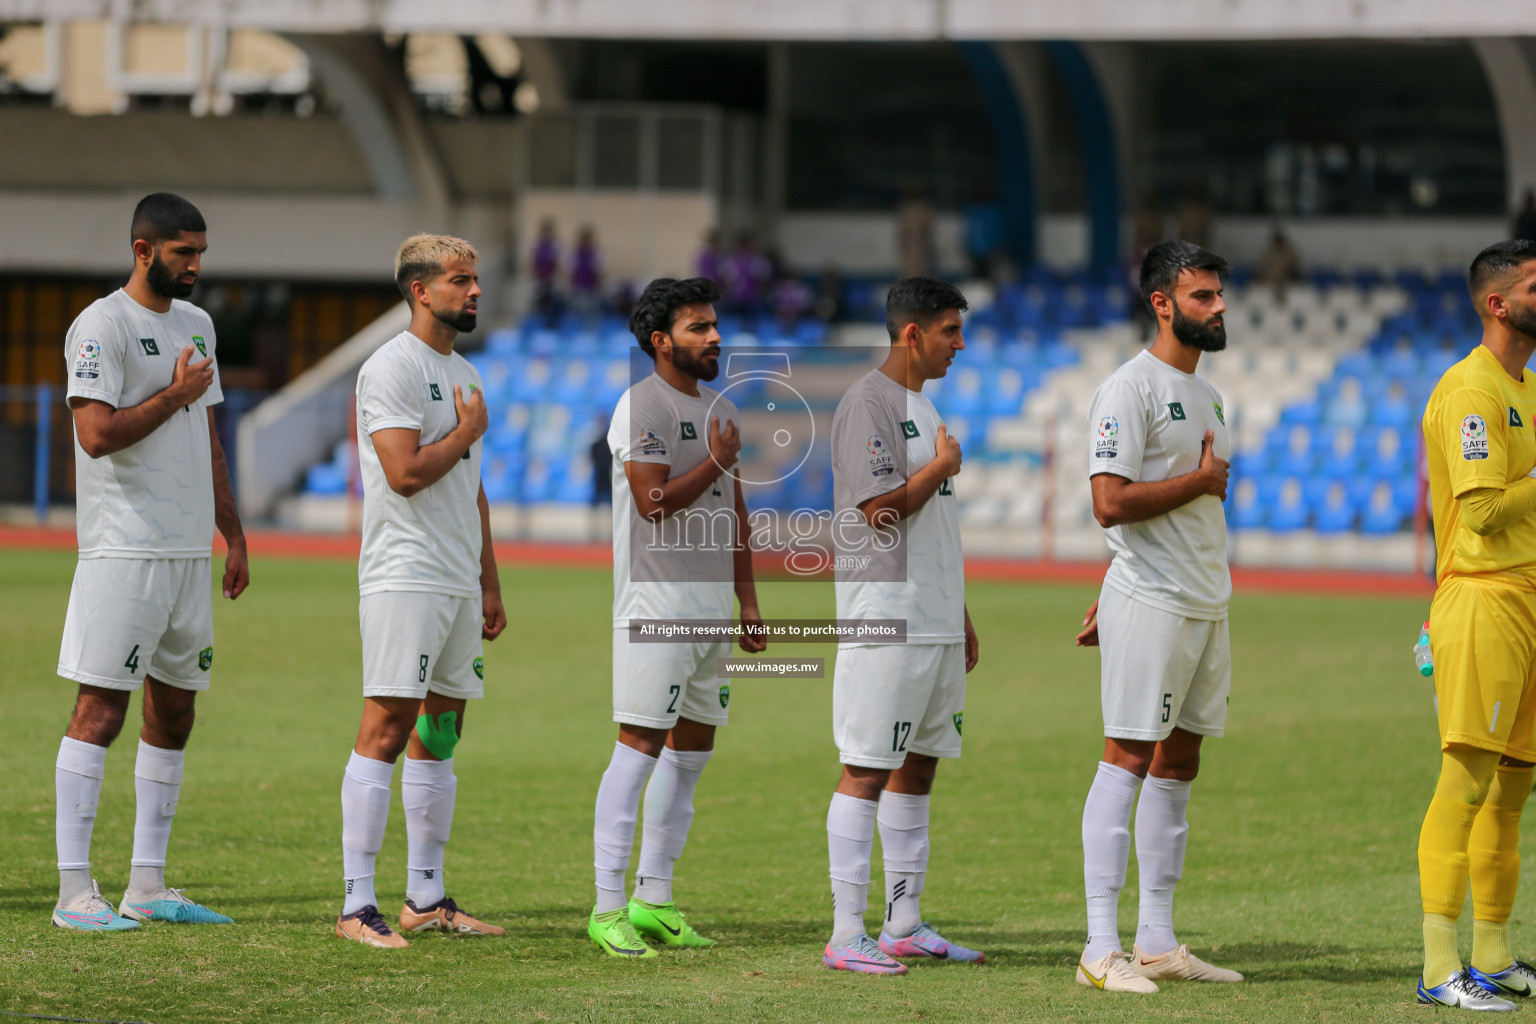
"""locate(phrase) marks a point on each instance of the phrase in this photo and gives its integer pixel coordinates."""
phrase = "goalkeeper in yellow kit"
(1481, 447)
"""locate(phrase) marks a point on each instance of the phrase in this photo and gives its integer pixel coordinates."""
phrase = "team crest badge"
(479, 668)
(1219, 416)
(725, 695)
(197, 339)
(959, 717)
(205, 658)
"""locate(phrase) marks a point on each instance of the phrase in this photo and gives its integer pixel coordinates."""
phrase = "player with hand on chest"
(1157, 464)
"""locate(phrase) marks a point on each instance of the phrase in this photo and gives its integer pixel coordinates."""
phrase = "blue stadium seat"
(1244, 509)
(325, 479)
(1289, 512)
(1334, 512)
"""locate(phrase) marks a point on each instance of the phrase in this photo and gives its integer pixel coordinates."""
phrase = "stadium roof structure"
(832, 19)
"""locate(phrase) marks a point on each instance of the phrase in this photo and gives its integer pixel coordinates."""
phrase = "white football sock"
(850, 844)
(156, 786)
(1106, 851)
(1162, 831)
(364, 813)
(903, 820)
(613, 822)
(77, 776)
(668, 813)
(427, 790)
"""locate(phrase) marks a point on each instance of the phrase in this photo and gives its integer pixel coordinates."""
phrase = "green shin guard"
(441, 736)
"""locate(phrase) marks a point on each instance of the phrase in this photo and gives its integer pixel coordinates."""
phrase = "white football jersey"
(882, 433)
(1148, 422)
(153, 499)
(684, 566)
(430, 541)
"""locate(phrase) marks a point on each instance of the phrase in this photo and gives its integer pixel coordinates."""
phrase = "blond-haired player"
(1481, 450)
(429, 590)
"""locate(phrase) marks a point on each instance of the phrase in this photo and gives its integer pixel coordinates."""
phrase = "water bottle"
(1423, 658)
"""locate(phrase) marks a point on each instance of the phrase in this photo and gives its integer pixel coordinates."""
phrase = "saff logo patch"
(1107, 446)
(1474, 438)
(479, 668)
(908, 429)
(725, 695)
(205, 658)
(689, 433)
(1176, 410)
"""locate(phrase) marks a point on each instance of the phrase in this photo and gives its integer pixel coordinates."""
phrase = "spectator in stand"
(914, 232)
(1525, 217)
(586, 276)
(1279, 266)
(985, 235)
(709, 263)
(828, 306)
(746, 277)
(790, 296)
(545, 268)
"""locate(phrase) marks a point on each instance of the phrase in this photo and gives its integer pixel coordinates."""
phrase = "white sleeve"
(1117, 430)
(865, 443)
(387, 397)
(94, 350)
(644, 429)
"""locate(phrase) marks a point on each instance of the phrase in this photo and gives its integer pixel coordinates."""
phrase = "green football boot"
(664, 923)
(615, 936)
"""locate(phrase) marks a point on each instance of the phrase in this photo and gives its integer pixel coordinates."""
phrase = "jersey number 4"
(132, 664)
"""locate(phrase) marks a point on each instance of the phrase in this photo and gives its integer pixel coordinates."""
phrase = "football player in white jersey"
(1157, 462)
(151, 484)
(429, 590)
(897, 708)
(679, 553)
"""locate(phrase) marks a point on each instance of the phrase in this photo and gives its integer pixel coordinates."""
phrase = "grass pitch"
(1301, 869)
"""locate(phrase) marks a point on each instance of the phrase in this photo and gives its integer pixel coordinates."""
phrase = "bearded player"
(151, 484)
(429, 591)
(1158, 471)
(679, 553)
(1481, 453)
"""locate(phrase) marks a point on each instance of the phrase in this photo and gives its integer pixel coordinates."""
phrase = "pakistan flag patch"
(908, 429)
(1514, 418)
(959, 717)
(725, 695)
(205, 658)
(479, 668)
(690, 433)
(1176, 410)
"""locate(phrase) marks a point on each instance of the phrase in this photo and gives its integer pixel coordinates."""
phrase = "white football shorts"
(416, 640)
(655, 684)
(129, 618)
(891, 700)
(1159, 669)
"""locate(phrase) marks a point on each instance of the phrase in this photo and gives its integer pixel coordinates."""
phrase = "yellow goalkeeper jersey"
(1480, 431)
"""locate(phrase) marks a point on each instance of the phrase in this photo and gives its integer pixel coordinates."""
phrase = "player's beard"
(1206, 337)
(1523, 319)
(461, 320)
(164, 283)
(694, 365)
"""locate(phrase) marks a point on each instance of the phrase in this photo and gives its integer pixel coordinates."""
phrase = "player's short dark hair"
(162, 216)
(918, 300)
(657, 306)
(1165, 262)
(1497, 260)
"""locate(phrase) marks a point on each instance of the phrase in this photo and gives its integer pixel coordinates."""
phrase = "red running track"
(278, 544)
